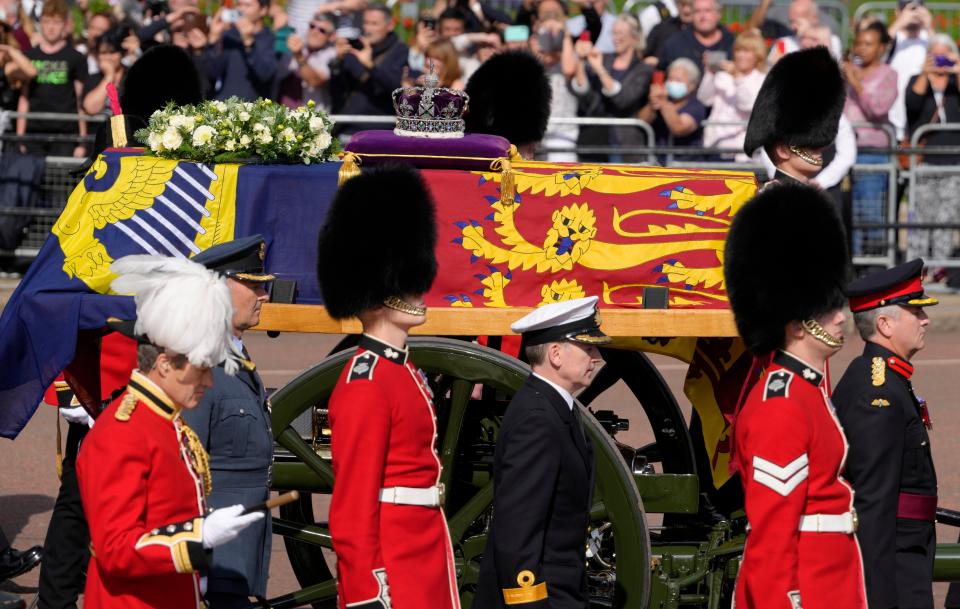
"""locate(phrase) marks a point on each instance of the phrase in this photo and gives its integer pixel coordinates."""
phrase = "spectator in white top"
(731, 88)
(553, 45)
(911, 31)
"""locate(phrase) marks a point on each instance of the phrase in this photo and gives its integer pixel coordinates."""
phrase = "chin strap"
(815, 330)
(806, 156)
(398, 304)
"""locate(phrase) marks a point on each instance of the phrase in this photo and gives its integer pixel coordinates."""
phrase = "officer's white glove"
(223, 525)
(77, 414)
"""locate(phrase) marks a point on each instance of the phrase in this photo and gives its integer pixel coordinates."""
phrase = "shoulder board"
(777, 385)
(878, 372)
(126, 407)
(362, 365)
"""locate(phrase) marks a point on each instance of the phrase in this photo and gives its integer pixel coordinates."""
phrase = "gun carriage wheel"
(468, 420)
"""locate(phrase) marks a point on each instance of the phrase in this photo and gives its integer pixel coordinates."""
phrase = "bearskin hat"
(163, 74)
(785, 260)
(799, 104)
(378, 241)
(509, 96)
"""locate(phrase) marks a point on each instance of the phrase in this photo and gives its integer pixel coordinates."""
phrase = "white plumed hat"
(181, 306)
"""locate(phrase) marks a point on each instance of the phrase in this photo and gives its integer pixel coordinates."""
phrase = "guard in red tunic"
(386, 518)
(786, 290)
(143, 473)
(891, 463)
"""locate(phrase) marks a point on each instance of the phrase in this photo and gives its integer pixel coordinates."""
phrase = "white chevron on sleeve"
(784, 479)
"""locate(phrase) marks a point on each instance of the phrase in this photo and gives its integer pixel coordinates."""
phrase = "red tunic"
(383, 434)
(791, 450)
(143, 498)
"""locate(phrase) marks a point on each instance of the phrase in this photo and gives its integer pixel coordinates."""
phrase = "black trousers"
(66, 548)
(916, 547)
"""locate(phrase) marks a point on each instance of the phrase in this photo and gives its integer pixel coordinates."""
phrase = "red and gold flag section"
(538, 233)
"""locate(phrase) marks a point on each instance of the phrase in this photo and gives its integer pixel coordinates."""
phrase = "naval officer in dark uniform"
(890, 463)
(233, 423)
(543, 467)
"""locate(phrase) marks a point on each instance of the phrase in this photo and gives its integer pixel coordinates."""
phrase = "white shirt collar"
(566, 395)
(237, 342)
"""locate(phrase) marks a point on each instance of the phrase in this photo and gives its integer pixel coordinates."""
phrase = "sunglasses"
(320, 28)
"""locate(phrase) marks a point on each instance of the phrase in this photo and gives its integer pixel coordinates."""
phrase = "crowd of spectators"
(674, 64)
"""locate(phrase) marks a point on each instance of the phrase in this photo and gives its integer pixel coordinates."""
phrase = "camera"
(229, 15)
(429, 22)
(550, 42)
(942, 61)
(356, 43)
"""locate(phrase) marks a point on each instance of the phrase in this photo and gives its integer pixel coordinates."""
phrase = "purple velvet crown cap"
(429, 111)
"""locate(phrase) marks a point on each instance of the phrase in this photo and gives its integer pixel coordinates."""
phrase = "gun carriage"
(512, 235)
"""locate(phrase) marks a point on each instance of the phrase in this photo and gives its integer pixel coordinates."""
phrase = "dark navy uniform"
(890, 463)
(543, 473)
(537, 539)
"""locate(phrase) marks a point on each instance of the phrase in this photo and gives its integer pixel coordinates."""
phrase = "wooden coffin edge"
(457, 321)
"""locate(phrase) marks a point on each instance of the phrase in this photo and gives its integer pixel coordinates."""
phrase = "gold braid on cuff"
(816, 330)
(806, 156)
(398, 304)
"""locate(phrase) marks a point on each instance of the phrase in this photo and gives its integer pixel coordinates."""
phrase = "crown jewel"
(430, 110)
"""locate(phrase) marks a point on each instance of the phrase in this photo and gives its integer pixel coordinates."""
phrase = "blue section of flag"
(40, 323)
(287, 204)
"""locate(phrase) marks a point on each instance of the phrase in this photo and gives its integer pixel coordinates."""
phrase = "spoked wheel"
(468, 420)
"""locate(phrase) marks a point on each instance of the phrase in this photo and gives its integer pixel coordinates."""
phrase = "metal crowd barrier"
(920, 174)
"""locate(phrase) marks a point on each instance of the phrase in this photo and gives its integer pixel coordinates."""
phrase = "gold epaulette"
(878, 372)
(127, 406)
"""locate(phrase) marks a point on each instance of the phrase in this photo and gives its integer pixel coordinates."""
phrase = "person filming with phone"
(367, 69)
(932, 98)
(241, 57)
(673, 110)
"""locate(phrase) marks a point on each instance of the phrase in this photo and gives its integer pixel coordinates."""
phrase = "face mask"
(676, 90)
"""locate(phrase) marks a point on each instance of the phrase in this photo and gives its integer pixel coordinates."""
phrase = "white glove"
(223, 525)
(77, 414)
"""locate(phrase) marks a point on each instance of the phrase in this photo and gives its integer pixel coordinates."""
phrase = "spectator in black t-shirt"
(108, 53)
(61, 71)
(704, 34)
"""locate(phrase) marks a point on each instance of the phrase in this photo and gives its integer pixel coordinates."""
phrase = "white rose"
(171, 139)
(245, 140)
(316, 123)
(289, 135)
(230, 145)
(179, 120)
(323, 140)
(265, 137)
(221, 106)
(153, 140)
(244, 116)
(203, 135)
(258, 127)
(268, 119)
